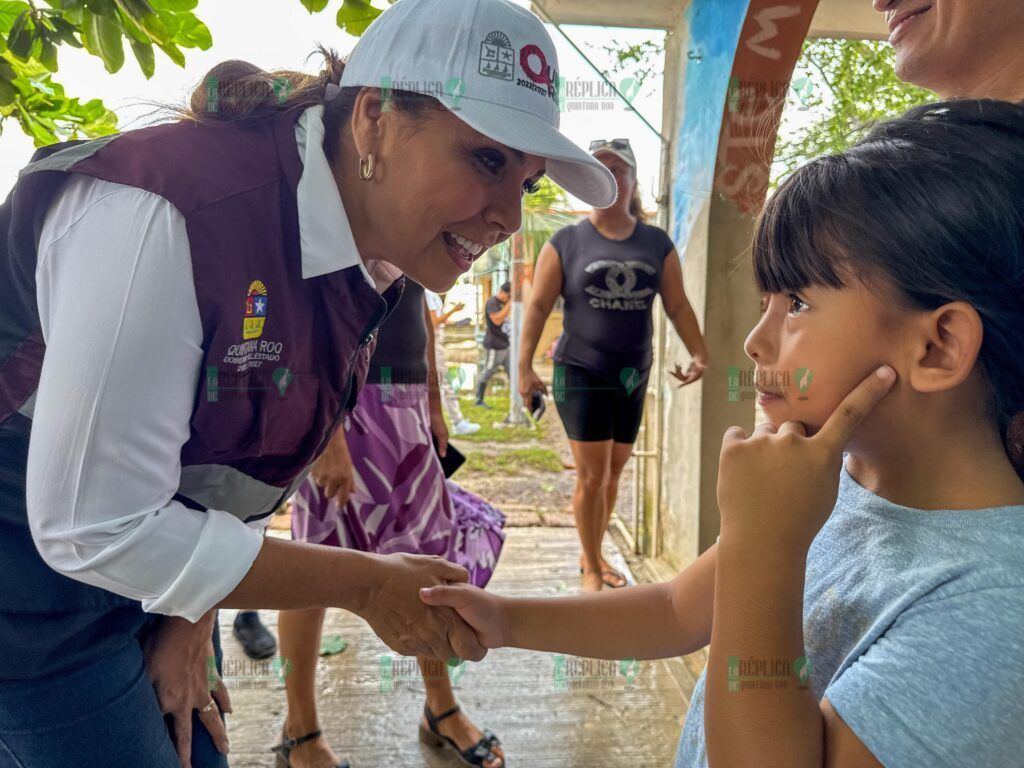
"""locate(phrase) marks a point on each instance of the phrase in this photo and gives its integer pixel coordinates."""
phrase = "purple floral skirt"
(401, 501)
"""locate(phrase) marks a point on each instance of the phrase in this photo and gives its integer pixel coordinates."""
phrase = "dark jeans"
(102, 715)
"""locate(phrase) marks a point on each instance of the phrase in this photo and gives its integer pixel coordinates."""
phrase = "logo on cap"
(497, 57)
(542, 74)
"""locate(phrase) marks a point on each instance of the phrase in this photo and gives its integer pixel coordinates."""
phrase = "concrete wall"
(738, 63)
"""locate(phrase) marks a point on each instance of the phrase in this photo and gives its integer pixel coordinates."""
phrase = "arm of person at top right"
(648, 621)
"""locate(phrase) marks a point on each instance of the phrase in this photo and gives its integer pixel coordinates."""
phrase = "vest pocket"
(287, 411)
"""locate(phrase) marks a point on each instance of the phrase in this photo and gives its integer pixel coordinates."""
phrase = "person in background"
(937, 46)
(257, 641)
(438, 317)
(496, 314)
(608, 268)
(380, 488)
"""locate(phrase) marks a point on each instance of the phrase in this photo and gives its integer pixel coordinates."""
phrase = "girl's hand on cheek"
(484, 612)
(778, 486)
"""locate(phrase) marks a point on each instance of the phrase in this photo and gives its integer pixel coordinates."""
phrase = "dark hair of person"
(929, 207)
(236, 92)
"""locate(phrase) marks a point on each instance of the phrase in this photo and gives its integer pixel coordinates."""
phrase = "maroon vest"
(283, 356)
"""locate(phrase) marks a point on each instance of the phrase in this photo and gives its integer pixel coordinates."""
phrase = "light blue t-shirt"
(914, 627)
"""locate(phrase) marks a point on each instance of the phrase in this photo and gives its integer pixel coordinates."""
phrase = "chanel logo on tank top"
(614, 285)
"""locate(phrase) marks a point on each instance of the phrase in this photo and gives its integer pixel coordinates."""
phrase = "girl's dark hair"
(929, 207)
(237, 92)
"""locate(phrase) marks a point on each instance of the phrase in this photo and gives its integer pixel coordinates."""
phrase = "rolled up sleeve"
(123, 356)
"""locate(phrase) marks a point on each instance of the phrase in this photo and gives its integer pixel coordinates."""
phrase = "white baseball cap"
(494, 66)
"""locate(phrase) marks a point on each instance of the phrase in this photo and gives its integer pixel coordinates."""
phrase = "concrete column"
(737, 60)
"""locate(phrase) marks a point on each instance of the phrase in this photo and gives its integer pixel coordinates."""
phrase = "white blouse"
(123, 355)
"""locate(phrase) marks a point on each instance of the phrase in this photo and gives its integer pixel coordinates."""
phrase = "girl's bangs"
(797, 241)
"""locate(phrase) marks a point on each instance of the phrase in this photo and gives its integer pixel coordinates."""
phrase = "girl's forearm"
(638, 623)
(757, 708)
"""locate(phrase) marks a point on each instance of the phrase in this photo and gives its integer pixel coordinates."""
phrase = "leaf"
(176, 6)
(193, 33)
(7, 92)
(48, 55)
(102, 37)
(171, 23)
(153, 26)
(332, 644)
(19, 41)
(173, 53)
(73, 14)
(133, 9)
(144, 55)
(355, 16)
(314, 6)
(100, 7)
(133, 31)
(10, 10)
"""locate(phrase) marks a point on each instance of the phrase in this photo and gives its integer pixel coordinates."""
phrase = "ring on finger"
(209, 707)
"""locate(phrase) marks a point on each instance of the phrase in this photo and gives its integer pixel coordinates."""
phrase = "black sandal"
(476, 755)
(284, 749)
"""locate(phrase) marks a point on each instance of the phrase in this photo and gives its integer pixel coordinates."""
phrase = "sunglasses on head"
(613, 143)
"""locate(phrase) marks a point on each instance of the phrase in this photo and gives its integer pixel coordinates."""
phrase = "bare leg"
(620, 455)
(441, 698)
(299, 634)
(593, 465)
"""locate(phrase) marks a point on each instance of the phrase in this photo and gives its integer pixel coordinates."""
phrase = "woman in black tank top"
(608, 269)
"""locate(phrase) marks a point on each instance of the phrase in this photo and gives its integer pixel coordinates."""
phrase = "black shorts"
(599, 405)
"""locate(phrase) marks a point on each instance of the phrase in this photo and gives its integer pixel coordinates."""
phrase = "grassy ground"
(505, 450)
(489, 419)
(515, 461)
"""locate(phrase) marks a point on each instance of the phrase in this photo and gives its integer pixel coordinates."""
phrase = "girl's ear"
(948, 343)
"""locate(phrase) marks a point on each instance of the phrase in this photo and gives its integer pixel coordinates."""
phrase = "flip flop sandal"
(284, 749)
(612, 574)
(476, 755)
(606, 576)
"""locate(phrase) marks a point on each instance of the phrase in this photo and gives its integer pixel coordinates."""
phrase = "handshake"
(423, 605)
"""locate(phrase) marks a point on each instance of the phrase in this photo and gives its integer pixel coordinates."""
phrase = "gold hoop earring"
(366, 167)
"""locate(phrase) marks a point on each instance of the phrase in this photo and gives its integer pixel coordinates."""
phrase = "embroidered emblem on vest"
(255, 310)
(251, 353)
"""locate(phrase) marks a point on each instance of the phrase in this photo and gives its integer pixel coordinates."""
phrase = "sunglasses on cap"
(613, 143)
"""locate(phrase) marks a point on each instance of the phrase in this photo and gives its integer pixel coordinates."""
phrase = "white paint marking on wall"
(769, 29)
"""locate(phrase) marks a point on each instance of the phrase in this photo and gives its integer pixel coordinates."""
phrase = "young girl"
(866, 613)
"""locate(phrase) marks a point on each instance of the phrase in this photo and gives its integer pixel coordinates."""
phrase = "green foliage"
(544, 213)
(846, 85)
(548, 195)
(640, 60)
(354, 16)
(31, 35)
